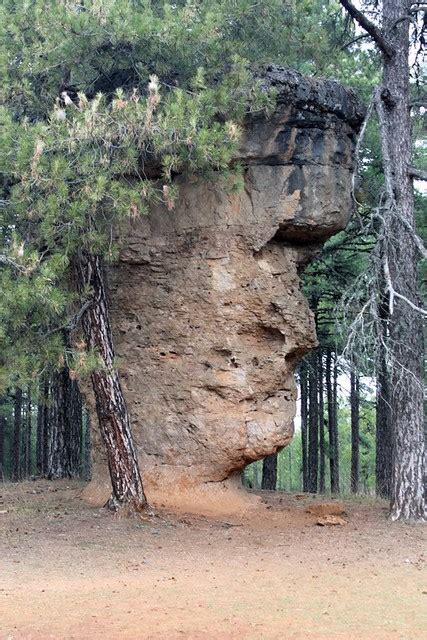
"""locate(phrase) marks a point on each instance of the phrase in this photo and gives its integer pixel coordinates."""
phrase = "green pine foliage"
(102, 103)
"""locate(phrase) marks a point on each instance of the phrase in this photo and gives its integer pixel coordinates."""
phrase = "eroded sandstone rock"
(208, 318)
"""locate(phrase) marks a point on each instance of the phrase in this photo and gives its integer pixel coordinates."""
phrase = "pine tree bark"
(304, 423)
(112, 412)
(269, 472)
(16, 446)
(322, 486)
(313, 426)
(405, 345)
(65, 426)
(355, 424)
(331, 390)
(406, 335)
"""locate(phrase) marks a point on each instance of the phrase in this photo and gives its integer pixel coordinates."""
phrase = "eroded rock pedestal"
(208, 318)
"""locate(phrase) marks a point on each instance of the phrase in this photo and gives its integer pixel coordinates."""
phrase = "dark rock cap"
(319, 93)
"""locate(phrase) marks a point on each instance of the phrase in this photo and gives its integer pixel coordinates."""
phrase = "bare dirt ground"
(71, 571)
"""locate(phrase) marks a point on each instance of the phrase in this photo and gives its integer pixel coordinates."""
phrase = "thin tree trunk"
(113, 416)
(2, 439)
(321, 425)
(269, 472)
(313, 426)
(74, 418)
(355, 423)
(28, 453)
(23, 445)
(16, 447)
(383, 436)
(87, 448)
(335, 424)
(332, 423)
(39, 429)
(44, 424)
(304, 422)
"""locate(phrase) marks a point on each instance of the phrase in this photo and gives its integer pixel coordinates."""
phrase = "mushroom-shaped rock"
(208, 318)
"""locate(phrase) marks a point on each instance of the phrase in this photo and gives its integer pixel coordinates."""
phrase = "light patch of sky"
(366, 382)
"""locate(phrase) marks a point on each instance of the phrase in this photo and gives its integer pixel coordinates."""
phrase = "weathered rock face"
(208, 318)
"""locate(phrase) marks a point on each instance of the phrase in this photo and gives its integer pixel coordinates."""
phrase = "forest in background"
(345, 442)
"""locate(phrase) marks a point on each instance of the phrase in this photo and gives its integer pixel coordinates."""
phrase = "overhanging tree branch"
(418, 174)
(370, 28)
(354, 40)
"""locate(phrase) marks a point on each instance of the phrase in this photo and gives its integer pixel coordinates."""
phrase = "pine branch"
(358, 147)
(395, 294)
(74, 322)
(354, 40)
(6, 260)
(370, 28)
(418, 174)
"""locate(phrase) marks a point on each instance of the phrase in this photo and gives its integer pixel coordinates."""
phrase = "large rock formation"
(208, 318)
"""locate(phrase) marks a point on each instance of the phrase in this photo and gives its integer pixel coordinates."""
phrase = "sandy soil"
(71, 571)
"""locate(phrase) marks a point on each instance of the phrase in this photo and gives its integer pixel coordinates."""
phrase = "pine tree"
(269, 472)
(398, 257)
(355, 429)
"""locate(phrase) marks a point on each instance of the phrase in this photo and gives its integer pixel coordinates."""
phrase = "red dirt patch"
(69, 571)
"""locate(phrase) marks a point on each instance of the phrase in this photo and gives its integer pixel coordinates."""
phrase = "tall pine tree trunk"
(313, 426)
(16, 446)
(406, 335)
(331, 390)
(304, 423)
(355, 423)
(322, 486)
(269, 472)
(112, 412)
(405, 344)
